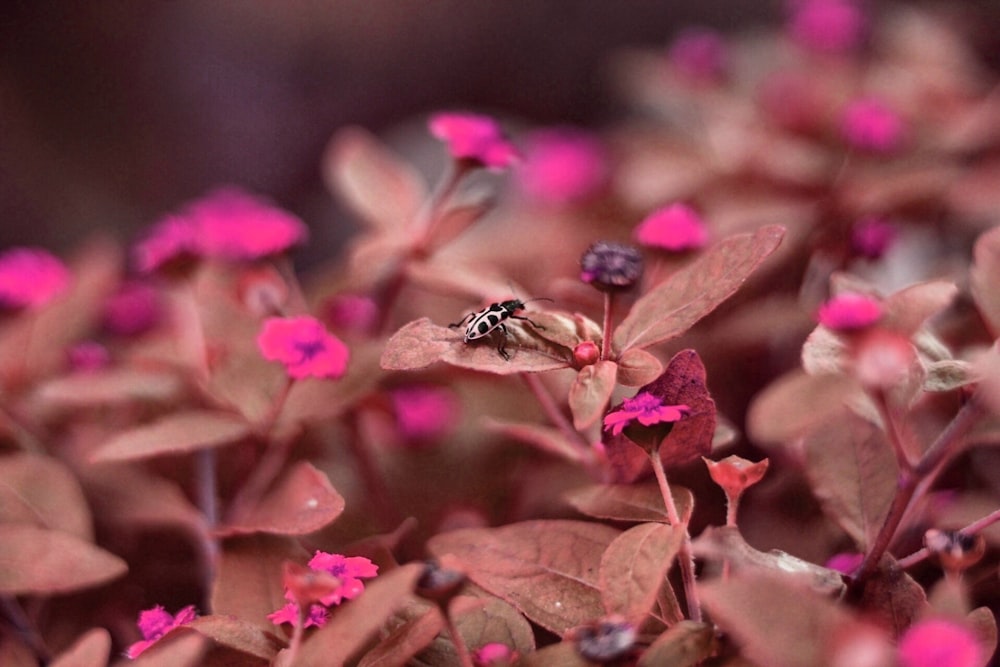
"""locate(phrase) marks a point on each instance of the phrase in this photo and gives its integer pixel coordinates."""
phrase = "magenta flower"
(352, 312)
(475, 138)
(494, 653)
(646, 409)
(846, 562)
(869, 125)
(155, 623)
(676, 227)
(171, 238)
(938, 642)
(317, 616)
(562, 165)
(423, 413)
(304, 346)
(30, 277)
(827, 26)
(132, 310)
(350, 570)
(88, 357)
(872, 236)
(849, 312)
(699, 54)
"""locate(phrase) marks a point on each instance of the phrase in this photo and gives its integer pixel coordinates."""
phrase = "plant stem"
(606, 326)
(371, 476)
(892, 430)
(464, 657)
(24, 627)
(557, 417)
(975, 527)
(297, 633)
(207, 494)
(684, 555)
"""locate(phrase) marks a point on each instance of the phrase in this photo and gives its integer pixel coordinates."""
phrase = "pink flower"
(30, 277)
(423, 413)
(88, 356)
(155, 623)
(317, 616)
(846, 562)
(350, 570)
(676, 227)
(474, 137)
(645, 408)
(699, 54)
(132, 310)
(849, 312)
(872, 236)
(563, 165)
(494, 653)
(353, 312)
(827, 26)
(172, 238)
(938, 642)
(304, 346)
(869, 125)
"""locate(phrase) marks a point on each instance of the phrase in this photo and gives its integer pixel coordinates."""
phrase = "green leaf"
(178, 433)
(634, 566)
(676, 304)
(547, 569)
(39, 561)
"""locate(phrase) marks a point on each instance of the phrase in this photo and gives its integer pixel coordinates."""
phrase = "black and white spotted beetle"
(492, 318)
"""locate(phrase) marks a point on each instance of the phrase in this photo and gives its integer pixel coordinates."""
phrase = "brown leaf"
(39, 561)
(795, 404)
(637, 367)
(421, 343)
(893, 599)
(629, 502)
(179, 648)
(906, 310)
(355, 622)
(546, 438)
(406, 641)
(984, 624)
(177, 433)
(383, 189)
(676, 304)
(302, 503)
(491, 620)
(91, 650)
(563, 654)
(634, 566)
(683, 383)
(984, 276)
(238, 634)
(547, 569)
(853, 472)
(454, 221)
(686, 644)
(590, 393)
(42, 491)
(125, 493)
(113, 385)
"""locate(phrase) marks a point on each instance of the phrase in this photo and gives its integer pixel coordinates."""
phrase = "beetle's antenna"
(540, 298)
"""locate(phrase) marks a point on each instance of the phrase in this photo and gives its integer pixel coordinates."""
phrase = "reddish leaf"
(421, 343)
(38, 561)
(893, 598)
(590, 393)
(238, 634)
(114, 385)
(546, 438)
(563, 654)
(406, 641)
(795, 404)
(127, 494)
(354, 623)
(546, 569)
(907, 309)
(853, 473)
(91, 650)
(248, 584)
(683, 383)
(381, 188)
(684, 645)
(480, 621)
(676, 304)
(42, 491)
(180, 648)
(178, 433)
(637, 367)
(456, 220)
(303, 502)
(984, 276)
(634, 566)
(629, 502)
(984, 624)
(565, 329)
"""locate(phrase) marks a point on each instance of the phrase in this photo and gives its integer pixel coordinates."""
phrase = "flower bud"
(954, 549)
(439, 584)
(606, 640)
(586, 354)
(735, 474)
(611, 267)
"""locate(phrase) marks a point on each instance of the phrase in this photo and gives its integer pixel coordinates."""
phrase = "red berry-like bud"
(586, 354)
(734, 474)
(954, 549)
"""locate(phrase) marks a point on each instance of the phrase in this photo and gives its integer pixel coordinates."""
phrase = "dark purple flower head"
(611, 266)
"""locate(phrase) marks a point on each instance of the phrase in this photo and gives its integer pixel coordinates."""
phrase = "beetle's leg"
(528, 320)
(462, 321)
(502, 343)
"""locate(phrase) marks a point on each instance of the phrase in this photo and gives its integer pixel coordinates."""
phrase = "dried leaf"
(590, 393)
(686, 644)
(39, 561)
(984, 276)
(948, 375)
(796, 404)
(853, 472)
(91, 650)
(238, 634)
(637, 367)
(42, 491)
(354, 623)
(177, 433)
(893, 599)
(547, 569)
(303, 502)
(421, 343)
(676, 304)
(384, 190)
(629, 502)
(634, 566)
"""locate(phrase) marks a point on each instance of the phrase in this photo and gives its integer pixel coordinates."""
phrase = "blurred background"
(114, 112)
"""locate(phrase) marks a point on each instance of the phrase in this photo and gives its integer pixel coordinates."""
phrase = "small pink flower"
(304, 346)
(171, 238)
(699, 54)
(646, 409)
(827, 26)
(317, 616)
(88, 356)
(562, 165)
(846, 562)
(353, 312)
(937, 642)
(132, 310)
(849, 312)
(676, 227)
(872, 236)
(869, 125)
(494, 653)
(30, 277)
(234, 225)
(423, 413)
(350, 570)
(474, 137)
(155, 623)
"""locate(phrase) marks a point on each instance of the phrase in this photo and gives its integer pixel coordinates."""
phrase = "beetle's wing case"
(485, 322)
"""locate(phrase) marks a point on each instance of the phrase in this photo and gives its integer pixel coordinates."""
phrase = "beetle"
(492, 318)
